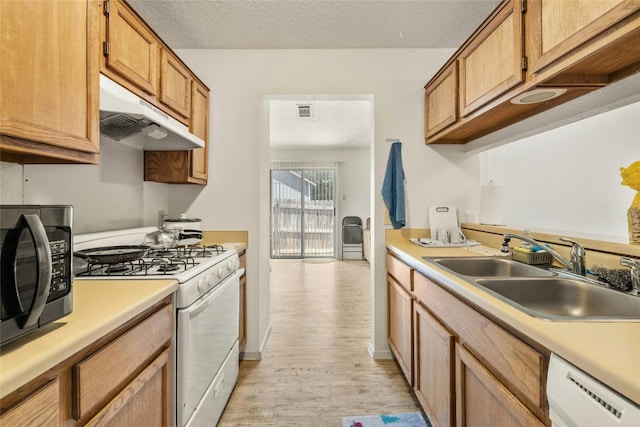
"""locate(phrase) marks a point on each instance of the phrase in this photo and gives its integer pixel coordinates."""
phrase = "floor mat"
(410, 419)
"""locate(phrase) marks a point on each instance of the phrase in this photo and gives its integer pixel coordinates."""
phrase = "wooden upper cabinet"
(175, 85)
(441, 101)
(492, 63)
(130, 49)
(199, 126)
(561, 27)
(578, 45)
(184, 167)
(49, 85)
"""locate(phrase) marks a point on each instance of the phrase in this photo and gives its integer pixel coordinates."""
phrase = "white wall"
(238, 80)
(11, 183)
(107, 196)
(568, 179)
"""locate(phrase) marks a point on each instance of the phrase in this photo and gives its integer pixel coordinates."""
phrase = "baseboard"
(379, 355)
(257, 355)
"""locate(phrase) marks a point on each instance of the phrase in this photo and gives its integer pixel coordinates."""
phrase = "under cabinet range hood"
(130, 120)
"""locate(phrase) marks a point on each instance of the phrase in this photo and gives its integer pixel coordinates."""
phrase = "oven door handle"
(203, 303)
(199, 307)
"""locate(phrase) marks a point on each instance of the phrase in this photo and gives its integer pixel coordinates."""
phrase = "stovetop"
(182, 263)
(156, 262)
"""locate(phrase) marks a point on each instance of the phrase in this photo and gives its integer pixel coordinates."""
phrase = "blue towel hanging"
(393, 186)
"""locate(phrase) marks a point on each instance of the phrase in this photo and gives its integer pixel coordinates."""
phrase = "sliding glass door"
(303, 212)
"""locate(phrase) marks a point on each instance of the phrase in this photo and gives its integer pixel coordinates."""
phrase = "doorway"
(303, 212)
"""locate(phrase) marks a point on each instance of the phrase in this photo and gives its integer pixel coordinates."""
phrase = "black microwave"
(36, 252)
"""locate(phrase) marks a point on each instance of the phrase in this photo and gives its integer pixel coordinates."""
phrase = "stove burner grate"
(118, 268)
(165, 268)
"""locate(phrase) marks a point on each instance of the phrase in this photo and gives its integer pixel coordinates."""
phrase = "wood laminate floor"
(316, 368)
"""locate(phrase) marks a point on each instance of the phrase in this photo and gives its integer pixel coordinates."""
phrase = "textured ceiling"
(313, 24)
(334, 123)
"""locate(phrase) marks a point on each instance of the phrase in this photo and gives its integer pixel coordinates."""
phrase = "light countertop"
(99, 307)
(608, 351)
(212, 237)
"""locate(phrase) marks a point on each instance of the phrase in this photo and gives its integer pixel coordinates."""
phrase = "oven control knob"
(230, 264)
(221, 273)
(210, 279)
(202, 285)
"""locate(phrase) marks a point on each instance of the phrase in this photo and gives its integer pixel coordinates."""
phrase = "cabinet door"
(481, 400)
(144, 402)
(132, 49)
(49, 80)
(565, 25)
(39, 409)
(400, 327)
(108, 370)
(434, 367)
(242, 332)
(492, 63)
(199, 126)
(175, 85)
(441, 101)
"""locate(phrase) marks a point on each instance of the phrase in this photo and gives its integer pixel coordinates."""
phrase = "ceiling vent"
(304, 110)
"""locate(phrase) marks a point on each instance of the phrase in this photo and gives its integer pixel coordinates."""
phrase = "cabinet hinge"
(105, 48)
(524, 6)
(106, 7)
(524, 63)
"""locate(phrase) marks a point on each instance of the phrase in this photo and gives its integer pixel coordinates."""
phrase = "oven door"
(206, 332)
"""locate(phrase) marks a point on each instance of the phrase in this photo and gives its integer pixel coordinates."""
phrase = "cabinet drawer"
(400, 271)
(143, 401)
(39, 409)
(96, 378)
(516, 364)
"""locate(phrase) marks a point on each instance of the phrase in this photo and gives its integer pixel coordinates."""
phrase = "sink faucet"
(634, 265)
(577, 254)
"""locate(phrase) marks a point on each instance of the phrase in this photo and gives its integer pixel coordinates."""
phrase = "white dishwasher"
(579, 400)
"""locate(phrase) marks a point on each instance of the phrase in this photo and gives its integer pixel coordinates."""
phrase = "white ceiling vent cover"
(304, 110)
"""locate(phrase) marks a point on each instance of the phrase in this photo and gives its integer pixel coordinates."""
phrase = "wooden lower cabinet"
(122, 379)
(39, 409)
(434, 367)
(242, 332)
(400, 326)
(143, 402)
(482, 400)
(468, 369)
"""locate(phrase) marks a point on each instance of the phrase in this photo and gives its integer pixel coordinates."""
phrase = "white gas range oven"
(207, 310)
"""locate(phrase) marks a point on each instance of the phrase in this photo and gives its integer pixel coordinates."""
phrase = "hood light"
(154, 131)
(537, 95)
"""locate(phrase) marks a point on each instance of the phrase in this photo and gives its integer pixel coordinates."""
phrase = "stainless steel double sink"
(543, 293)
